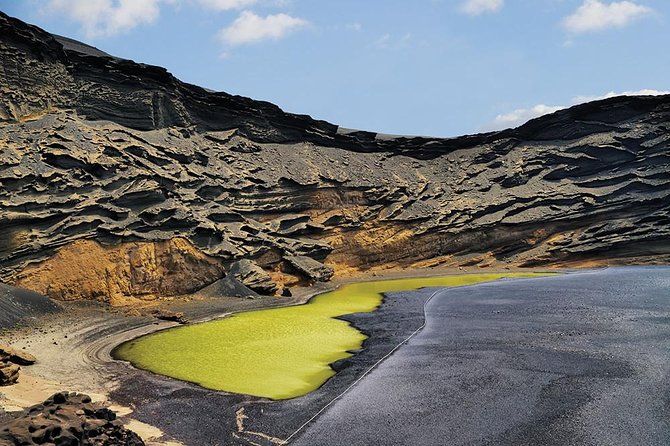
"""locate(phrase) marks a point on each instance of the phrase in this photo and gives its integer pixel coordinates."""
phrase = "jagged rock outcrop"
(68, 419)
(310, 268)
(97, 148)
(253, 277)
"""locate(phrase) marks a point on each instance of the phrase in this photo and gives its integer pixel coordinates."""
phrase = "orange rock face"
(122, 273)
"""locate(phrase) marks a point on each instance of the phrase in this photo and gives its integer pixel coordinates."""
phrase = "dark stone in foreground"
(67, 419)
(579, 359)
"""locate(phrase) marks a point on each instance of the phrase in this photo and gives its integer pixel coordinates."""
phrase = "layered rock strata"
(119, 181)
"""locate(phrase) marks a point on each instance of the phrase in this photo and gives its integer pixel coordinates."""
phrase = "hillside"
(118, 181)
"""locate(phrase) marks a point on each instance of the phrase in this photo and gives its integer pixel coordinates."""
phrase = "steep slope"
(169, 184)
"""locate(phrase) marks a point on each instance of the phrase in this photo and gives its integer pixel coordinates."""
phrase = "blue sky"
(427, 67)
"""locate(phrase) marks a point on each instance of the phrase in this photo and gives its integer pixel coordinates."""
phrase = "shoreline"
(80, 360)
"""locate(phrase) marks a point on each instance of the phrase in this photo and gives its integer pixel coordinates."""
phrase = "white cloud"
(523, 115)
(612, 94)
(250, 28)
(478, 7)
(106, 17)
(390, 42)
(225, 5)
(519, 116)
(595, 15)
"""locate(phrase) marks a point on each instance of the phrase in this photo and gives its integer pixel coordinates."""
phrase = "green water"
(277, 353)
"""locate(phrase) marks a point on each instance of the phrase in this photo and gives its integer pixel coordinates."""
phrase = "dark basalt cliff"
(103, 160)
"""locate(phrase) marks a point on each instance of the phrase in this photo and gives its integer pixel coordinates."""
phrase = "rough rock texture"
(253, 277)
(19, 357)
(172, 316)
(84, 269)
(310, 268)
(9, 373)
(10, 360)
(68, 419)
(98, 148)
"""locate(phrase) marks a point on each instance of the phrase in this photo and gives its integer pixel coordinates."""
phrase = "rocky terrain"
(120, 182)
(67, 419)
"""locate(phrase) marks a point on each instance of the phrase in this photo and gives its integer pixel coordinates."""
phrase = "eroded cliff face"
(94, 148)
(122, 273)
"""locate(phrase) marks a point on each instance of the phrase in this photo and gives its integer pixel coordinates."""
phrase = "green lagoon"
(277, 353)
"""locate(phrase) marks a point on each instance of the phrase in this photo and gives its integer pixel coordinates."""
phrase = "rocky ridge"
(159, 187)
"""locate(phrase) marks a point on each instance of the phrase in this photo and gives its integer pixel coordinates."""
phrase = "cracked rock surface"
(166, 185)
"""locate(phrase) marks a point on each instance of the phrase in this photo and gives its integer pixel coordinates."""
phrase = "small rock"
(172, 316)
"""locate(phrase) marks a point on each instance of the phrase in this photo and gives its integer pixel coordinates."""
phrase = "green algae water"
(277, 353)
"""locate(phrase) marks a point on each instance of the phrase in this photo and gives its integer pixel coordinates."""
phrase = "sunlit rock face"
(98, 148)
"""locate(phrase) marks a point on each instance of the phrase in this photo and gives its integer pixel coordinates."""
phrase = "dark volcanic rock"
(68, 419)
(253, 277)
(310, 268)
(171, 316)
(96, 147)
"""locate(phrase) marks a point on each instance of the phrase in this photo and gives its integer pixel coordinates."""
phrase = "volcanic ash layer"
(120, 181)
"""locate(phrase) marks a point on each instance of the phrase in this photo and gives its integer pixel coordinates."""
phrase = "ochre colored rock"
(19, 357)
(9, 373)
(86, 269)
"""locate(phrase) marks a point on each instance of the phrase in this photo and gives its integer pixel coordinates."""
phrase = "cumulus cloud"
(250, 28)
(595, 15)
(106, 17)
(478, 7)
(522, 115)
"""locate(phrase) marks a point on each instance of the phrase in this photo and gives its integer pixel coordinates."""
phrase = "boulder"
(253, 277)
(172, 316)
(68, 419)
(310, 268)
(9, 373)
(16, 356)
